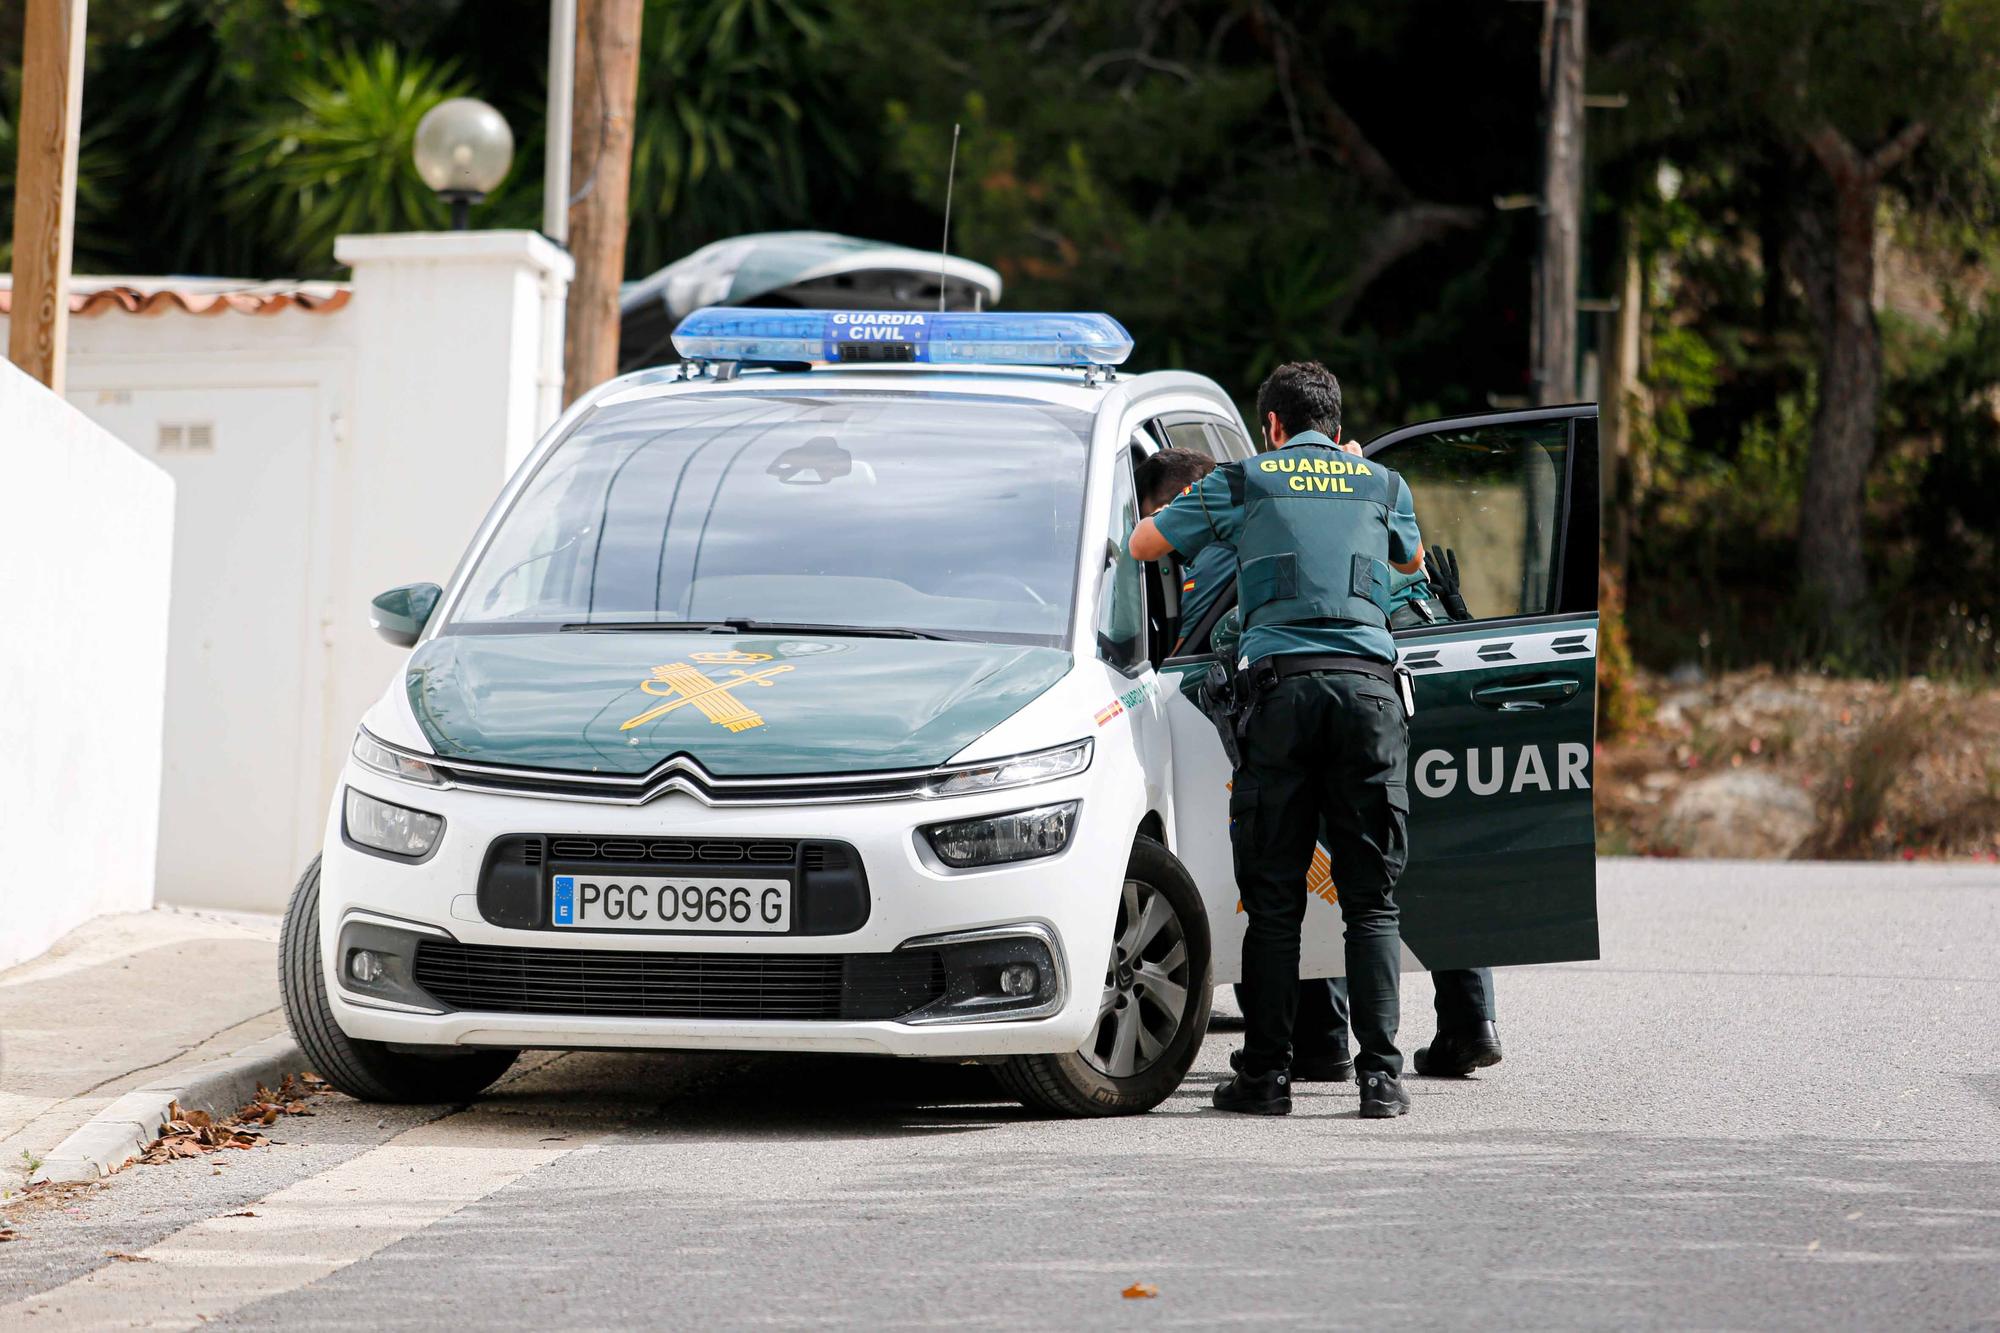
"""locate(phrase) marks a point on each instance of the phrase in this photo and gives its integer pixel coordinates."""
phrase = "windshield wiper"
(656, 626)
(842, 631)
(757, 627)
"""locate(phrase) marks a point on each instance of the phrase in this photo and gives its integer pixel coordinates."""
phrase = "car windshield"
(948, 514)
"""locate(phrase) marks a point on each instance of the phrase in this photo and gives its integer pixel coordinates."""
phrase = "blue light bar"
(725, 333)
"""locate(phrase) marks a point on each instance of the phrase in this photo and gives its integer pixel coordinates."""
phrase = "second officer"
(1326, 734)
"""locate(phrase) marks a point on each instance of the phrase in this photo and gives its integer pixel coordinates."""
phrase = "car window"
(956, 514)
(1121, 610)
(1493, 495)
(1191, 434)
(1229, 441)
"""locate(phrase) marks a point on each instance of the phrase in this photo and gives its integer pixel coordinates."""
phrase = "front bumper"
(1064, 905)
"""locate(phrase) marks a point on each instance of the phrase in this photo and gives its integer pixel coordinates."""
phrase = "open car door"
(1502, 836)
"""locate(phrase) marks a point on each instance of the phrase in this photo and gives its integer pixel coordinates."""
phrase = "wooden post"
(607, 87)
(1556, 269)
(45, 187)
(1620, 401)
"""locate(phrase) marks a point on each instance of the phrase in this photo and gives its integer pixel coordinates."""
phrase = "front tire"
(366, 1070)
(1153, 1011)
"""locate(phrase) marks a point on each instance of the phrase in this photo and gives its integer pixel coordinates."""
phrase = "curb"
(124, 1128)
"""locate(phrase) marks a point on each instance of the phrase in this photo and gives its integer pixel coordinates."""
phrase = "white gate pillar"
(457, 342)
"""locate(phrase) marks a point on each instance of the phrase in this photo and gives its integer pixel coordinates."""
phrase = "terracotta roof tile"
(140, 301)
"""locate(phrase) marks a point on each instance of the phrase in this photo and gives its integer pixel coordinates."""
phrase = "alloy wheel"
(1145, 985)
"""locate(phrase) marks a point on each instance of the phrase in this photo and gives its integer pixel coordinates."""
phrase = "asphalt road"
(1776, 1103)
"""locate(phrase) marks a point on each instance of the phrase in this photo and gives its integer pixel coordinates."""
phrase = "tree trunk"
(1622, 405)
(607, 86)
(1556, 265)
(1831, 566)
(1850, 392)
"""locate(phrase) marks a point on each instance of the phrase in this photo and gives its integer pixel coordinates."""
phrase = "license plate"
(725, 904)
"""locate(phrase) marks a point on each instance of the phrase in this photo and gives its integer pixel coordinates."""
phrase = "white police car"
(803, 698)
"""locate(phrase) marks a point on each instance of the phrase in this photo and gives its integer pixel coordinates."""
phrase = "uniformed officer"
(1316, 532)
(1467, 1035)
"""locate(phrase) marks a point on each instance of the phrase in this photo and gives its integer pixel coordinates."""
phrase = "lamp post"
(463, 150)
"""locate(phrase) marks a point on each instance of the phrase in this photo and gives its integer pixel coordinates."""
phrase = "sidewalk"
(119, 1003)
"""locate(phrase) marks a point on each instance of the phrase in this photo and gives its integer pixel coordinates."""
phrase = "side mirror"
(400, 614)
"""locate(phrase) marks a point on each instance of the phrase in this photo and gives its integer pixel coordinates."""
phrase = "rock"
(1739, 814)
(1772, 698)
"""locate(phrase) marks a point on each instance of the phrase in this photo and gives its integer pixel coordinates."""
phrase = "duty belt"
(1268, 671)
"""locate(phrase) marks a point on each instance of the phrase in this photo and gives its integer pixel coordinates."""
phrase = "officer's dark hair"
(1305, 395)
(1168, 473)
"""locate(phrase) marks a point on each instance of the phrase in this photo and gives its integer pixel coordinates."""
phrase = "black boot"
(1382, 1097)
(1333, 1067)
(1456, 1054)
(1256, 1094)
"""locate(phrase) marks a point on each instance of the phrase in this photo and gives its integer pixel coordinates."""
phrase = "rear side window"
(1193, 435)
(1230, 442)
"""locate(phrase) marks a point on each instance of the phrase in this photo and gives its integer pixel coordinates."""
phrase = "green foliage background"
(1174, 161)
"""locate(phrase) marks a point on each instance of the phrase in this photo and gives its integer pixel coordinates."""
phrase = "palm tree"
(334, 157)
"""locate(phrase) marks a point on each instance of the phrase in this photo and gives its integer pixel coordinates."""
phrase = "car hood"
(740, 705)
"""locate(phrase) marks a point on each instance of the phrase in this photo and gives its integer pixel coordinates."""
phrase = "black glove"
(1441, 569)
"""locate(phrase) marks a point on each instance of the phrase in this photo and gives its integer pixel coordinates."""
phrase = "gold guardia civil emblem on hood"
(681, 683)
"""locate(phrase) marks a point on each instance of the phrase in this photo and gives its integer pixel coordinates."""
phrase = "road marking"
(304, 1231)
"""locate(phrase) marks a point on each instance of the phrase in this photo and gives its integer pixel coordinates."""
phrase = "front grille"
(610, 983)
(713, 851)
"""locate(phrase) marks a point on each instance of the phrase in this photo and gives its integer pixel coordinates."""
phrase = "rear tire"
(366, 1070)
(1152, 955)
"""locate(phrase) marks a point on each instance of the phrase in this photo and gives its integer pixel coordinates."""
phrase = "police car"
(803, 697)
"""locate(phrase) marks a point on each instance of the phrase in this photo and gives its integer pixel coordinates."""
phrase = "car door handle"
(1527, 695)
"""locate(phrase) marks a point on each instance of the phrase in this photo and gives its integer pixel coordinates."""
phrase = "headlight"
(390, 828)
(1018, 771)
(371, 753)
(1022, 835)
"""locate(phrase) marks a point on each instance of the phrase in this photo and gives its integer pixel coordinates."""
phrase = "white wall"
(346, 450)
(257, 526)
(86, 533)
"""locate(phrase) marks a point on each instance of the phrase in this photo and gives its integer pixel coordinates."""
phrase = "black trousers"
(1464, 1000)
(1327, 751)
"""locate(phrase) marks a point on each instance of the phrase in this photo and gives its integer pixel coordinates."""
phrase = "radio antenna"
(944, 245)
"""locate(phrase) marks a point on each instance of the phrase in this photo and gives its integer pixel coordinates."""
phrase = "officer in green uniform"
(1467, 1038)
(1326, 738)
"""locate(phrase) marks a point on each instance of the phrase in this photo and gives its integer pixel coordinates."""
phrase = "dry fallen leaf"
(1140, 1291)
(1810, 1248)
(8, 1233)
(124, 1258)
(192, 1133)
(245, 1213)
